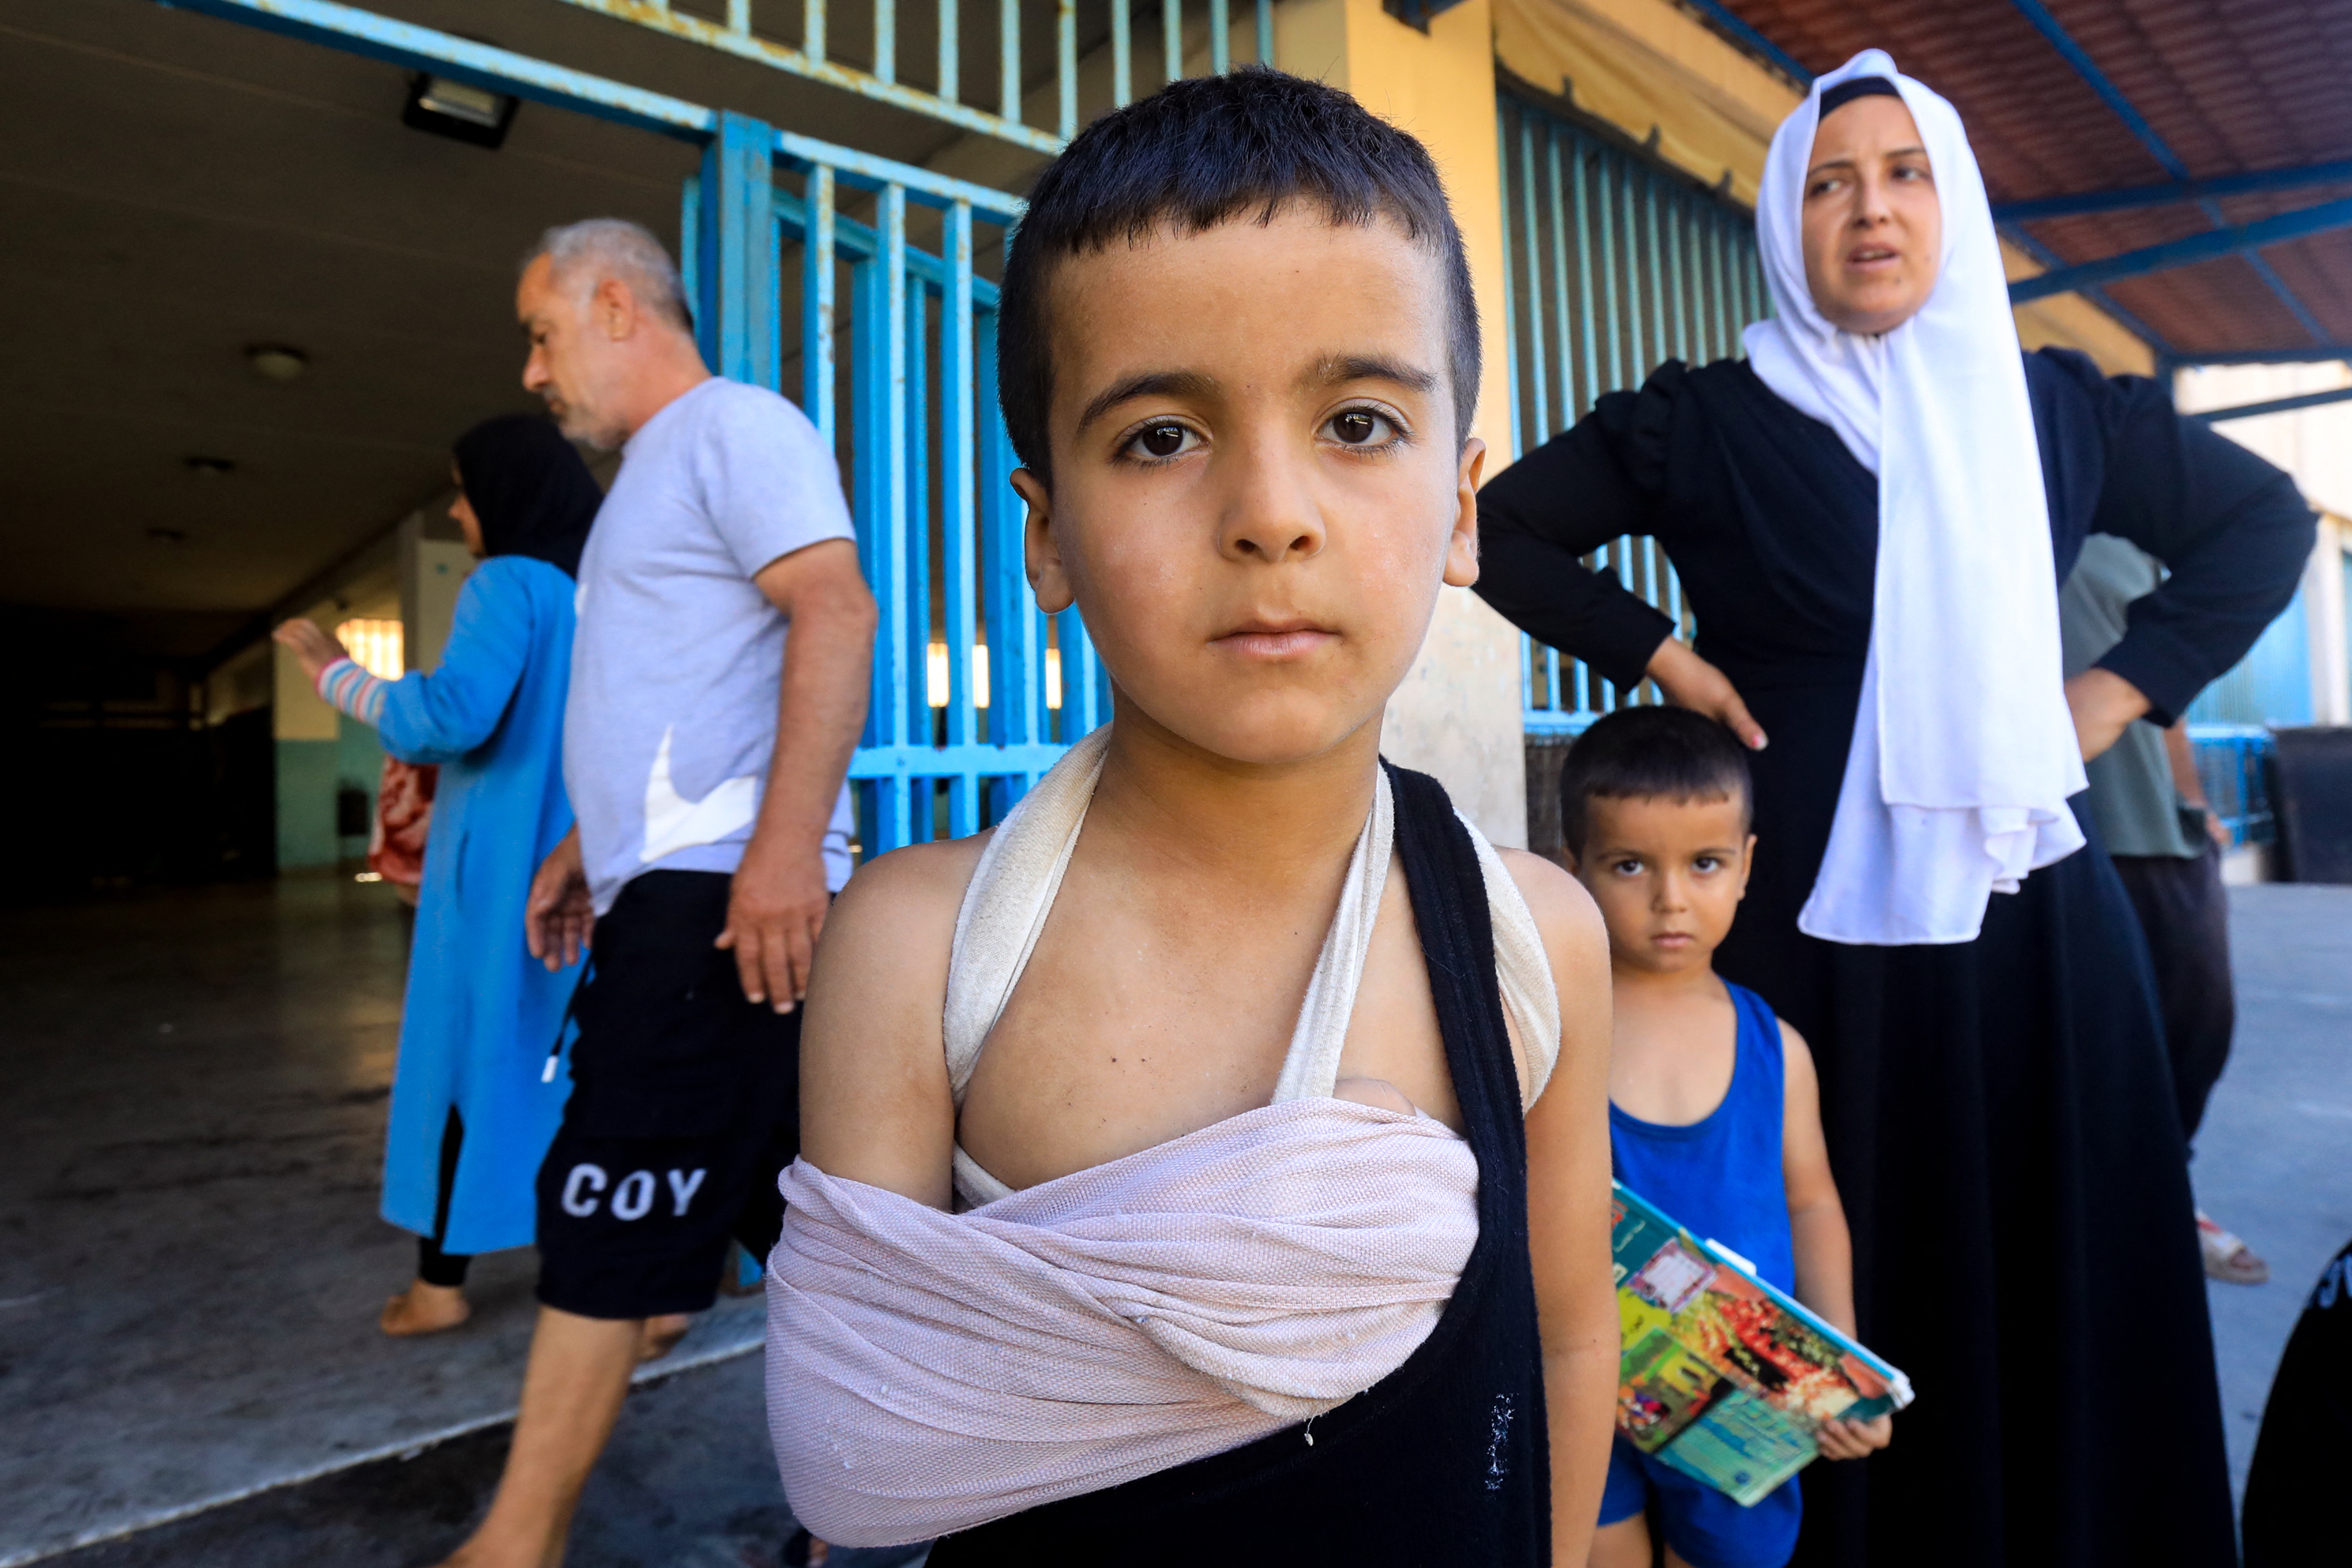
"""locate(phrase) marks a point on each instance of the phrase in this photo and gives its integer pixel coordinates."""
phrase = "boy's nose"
(1271, 516)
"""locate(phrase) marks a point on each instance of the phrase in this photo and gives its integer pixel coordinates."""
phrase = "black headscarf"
(529, 488)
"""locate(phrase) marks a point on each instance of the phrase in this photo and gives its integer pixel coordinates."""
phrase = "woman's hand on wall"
(1689, 681)
(314, 647)
(2104, 705)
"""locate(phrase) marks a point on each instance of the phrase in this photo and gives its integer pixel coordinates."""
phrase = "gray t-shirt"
(2132, 796)
(677, 665)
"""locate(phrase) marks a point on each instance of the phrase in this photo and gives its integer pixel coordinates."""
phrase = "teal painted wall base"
(307, 771)
(310, 774)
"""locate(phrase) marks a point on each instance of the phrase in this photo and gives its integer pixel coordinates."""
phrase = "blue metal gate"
(1615, 264)
(975, 693)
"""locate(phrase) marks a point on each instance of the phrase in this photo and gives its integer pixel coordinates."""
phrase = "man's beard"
(580, 425)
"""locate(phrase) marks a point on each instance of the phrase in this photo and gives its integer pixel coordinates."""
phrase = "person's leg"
(572, 1394)
(436, 1299)
(2184, 913)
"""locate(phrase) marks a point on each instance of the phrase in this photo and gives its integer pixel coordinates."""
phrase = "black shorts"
(684, 1105)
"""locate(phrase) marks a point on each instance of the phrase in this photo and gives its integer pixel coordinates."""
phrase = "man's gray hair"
(584, 254)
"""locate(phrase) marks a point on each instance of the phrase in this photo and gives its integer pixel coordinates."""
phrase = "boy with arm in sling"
(1265, 1015)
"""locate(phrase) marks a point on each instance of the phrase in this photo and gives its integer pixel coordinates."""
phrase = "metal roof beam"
(2074, 54)
(2125, 198)
(1727, 21)
(2235, 241)
(2276, 406)
(2301, 353)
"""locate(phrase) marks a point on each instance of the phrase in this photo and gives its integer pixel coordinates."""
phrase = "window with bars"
(1615, 264)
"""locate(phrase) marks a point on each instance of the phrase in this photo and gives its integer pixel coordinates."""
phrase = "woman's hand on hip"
(2104, 705)
(1689, 681)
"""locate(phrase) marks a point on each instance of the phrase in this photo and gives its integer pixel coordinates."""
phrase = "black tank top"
(1446, 1460)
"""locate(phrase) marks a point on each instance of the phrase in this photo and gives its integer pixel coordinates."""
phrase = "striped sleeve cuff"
(346, 686)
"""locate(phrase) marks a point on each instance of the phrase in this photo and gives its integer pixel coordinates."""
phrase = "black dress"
(1999, 1114)
(1444, 1462)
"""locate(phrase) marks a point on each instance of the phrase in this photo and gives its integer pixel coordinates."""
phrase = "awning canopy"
(2188, 164)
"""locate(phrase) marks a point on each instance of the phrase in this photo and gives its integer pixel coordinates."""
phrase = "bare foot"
(662, 1335)
(425, 1308)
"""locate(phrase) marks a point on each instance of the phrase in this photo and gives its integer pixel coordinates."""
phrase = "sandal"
(2227, 1257)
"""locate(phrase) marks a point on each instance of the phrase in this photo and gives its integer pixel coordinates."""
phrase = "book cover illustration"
(1723, 1376)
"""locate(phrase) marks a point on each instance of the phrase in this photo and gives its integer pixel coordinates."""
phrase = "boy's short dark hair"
(1650, 753)
(1195, 155)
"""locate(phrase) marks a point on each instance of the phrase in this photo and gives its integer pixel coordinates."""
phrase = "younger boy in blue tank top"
(1713, 1111)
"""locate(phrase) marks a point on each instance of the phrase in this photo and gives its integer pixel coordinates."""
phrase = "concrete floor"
(191, 1132)
(192, 1097)
(2275, 1157)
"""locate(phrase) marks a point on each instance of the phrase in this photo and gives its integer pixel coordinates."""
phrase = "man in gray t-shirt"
(2151, 811)
(719, 683)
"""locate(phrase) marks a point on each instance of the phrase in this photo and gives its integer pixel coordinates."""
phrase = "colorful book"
(1723, 1376)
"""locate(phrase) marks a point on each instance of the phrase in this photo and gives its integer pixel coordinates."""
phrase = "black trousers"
(2184, 911)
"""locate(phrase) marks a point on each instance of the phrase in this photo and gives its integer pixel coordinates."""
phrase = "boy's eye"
(1707, 863)
(1164, 440)
(1627, 868)
(1360, 428)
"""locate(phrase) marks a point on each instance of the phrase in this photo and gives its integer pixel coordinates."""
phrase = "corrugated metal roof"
(2232, 86)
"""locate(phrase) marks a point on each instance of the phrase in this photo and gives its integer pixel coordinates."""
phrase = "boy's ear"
(1041, 555)
(1747, 865)
(1462, 549)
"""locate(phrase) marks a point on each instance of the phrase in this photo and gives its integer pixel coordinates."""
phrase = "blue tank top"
(1719, 1178)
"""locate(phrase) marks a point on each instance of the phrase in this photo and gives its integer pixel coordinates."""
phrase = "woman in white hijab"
(1870, 515)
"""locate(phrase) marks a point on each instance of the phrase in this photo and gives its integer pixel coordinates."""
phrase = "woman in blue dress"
(477, 1093)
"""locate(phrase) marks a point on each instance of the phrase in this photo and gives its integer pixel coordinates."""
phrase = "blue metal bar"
(1171, 66)
(885, 42)
(2276, 406)
(869, 172)
(1563, 336)
(1221, 37)
(1122, 55)
(689, 242)
(812, 30)
(1510, 291)
(950, 69)
(2125, 198)
(1536, 378)
(1577, 162)
(1008, 60)
(817, 305)
(1266, 32)
(2232, 241)
(735, 252)
(358, 32)
(909, 762)
(910, 650)
(915, 608)
(958, 461)
(1016, 635)
(2052, 261)
(1066, 65)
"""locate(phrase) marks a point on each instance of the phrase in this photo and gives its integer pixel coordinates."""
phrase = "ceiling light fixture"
(458, 110)
(276, 362)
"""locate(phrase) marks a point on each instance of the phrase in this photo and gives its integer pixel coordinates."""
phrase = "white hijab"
(1964, 752)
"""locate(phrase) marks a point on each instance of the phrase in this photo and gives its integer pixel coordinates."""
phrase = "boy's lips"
(1274, 639)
